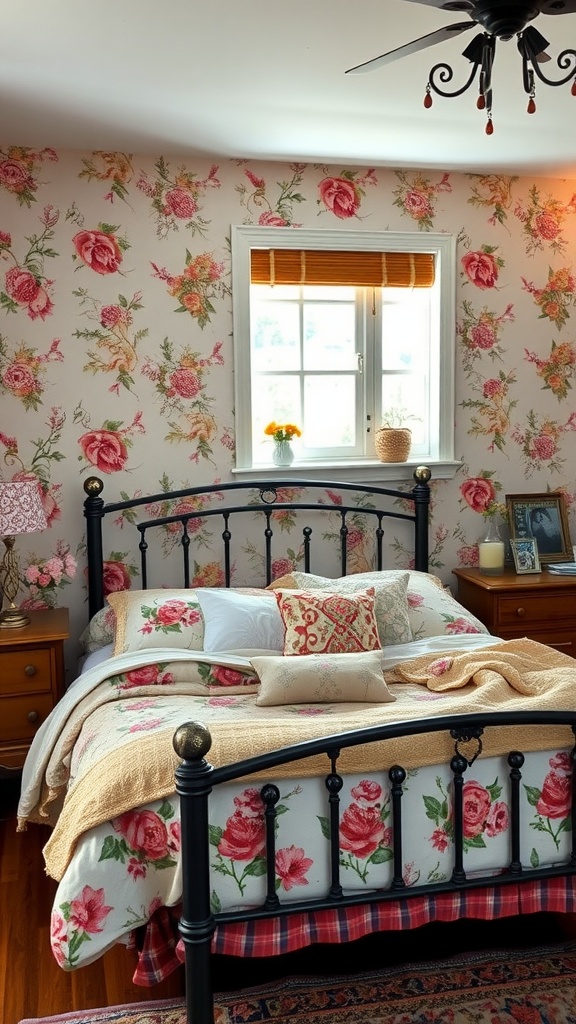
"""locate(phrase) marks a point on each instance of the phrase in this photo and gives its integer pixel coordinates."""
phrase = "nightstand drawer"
(21, 716)
(26, 669)
(536, 610)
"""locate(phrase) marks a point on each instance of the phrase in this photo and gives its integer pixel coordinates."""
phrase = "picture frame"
(525, 555)
(544, 518)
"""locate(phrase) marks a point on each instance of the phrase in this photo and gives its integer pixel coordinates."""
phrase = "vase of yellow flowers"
(282, 434)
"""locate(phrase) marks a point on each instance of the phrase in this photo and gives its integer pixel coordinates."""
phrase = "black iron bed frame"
(266, 504)
(196, 778)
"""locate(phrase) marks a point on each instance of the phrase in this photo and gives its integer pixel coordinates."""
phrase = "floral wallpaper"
(116, 325)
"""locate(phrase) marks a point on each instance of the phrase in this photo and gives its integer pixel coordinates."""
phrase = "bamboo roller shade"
(356, 269)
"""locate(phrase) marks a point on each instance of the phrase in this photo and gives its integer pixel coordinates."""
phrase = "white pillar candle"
(491, 554)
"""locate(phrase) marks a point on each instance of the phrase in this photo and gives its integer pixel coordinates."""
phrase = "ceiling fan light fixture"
(500, 19)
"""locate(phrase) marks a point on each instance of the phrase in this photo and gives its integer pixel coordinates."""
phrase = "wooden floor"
(32, 984)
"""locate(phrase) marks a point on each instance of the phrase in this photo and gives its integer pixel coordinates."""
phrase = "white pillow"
(234, 621)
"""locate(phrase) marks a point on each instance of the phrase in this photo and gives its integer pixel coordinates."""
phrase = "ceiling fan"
(499, 20)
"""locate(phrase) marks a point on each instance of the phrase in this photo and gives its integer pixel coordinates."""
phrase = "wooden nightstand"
(31, 680)
(539, 605)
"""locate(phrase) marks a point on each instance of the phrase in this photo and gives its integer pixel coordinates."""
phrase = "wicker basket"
(392, 444)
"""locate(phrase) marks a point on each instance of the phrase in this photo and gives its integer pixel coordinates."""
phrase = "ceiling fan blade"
(464, 6)
(422, 43)
(557, 6)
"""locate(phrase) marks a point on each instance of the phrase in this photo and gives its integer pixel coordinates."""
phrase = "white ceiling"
(261, 79)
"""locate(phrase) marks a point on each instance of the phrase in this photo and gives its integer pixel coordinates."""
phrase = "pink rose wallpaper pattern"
(116, 337)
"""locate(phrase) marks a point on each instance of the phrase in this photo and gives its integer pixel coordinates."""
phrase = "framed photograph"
(543, 518)
(525, 554)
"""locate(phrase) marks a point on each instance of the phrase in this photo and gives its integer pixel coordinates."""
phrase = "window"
(339, 359)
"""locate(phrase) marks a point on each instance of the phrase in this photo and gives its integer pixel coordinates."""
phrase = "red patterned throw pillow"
(321, 622)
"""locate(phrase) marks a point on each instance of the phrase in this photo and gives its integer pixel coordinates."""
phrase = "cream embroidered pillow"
(390, 589)
(157, 618)
(321, 679)
(319, 622)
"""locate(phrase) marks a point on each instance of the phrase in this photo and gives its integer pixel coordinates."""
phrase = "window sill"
(369, 471)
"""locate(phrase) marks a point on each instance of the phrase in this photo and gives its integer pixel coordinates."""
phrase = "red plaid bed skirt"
(163, 952)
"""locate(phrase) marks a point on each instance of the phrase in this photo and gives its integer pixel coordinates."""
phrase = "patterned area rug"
(528, 986)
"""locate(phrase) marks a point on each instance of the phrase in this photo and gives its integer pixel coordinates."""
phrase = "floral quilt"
(118, 871)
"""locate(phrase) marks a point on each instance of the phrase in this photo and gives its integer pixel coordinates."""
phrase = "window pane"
(405, 328)
(275, 336)
(329, 412)
(278, 398)
(329, 336)
(328, 293)
(405, 404)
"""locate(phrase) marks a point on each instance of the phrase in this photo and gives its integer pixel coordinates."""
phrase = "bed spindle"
(516, 761)
(343, 544)
(270, 796)
(334, 783)
(379, 535)
(143, 548)
(307, 535)
(227, 537)
(458, 764)
(268, 534)
(397, 776)
(185, 542)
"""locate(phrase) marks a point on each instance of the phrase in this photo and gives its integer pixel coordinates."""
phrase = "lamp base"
(13, 618)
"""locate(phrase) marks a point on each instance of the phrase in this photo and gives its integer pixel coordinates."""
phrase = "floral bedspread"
(126, 865)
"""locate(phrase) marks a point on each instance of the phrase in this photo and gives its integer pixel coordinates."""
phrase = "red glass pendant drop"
(531, 108)
(481, 102)
(573, 89)
(427, 98)
(489, 127)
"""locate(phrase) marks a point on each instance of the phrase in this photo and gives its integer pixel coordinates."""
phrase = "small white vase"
(282, 454)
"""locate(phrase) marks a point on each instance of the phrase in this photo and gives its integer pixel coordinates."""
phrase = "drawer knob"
(30, 670)
(520, 612)
(32, 717)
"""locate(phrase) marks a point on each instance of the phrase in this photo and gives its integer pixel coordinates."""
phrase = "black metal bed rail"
(196, 778)
(270, 502)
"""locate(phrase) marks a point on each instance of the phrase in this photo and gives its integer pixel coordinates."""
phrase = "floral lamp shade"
(21, 511)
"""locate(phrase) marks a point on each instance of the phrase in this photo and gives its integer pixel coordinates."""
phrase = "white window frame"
(243, 238)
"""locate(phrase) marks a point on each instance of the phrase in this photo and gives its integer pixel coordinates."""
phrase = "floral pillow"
(322, 622)
(157, 618)
(99, 632)
(434, 612)
(390, 591)
(321, 678)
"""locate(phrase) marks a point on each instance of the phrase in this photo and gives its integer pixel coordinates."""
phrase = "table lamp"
(21, 511)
